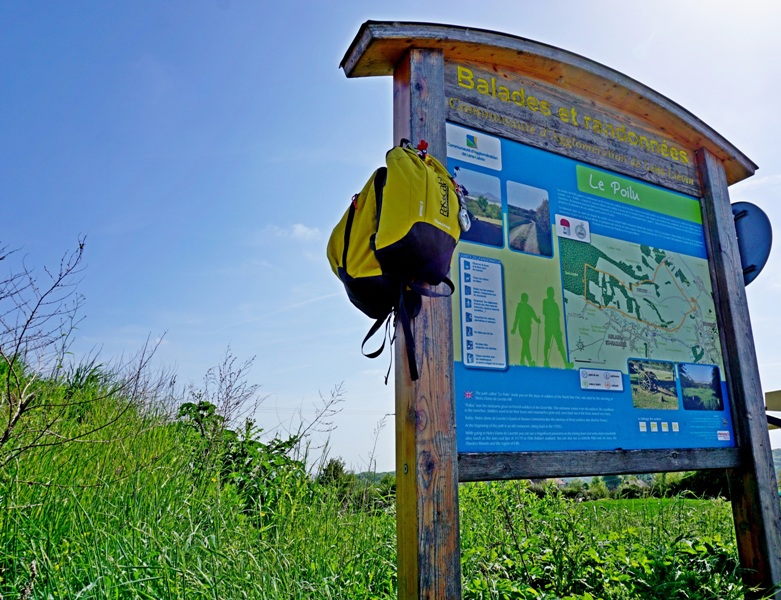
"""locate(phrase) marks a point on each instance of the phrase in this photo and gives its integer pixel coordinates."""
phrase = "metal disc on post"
(755, 237)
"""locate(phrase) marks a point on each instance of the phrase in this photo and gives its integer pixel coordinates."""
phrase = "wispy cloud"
(283, 309)
(297, 232)
(248, 268)
(756, 183)
(304, 233)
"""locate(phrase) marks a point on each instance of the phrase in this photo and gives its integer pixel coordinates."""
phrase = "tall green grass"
(132, 513)
(525, 546)
(143, 509)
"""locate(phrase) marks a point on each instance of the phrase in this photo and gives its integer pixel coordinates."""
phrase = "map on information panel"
(625, 299)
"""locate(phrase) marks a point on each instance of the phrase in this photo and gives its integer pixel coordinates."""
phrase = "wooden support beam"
(753, 486)
(492, 466)
(429, 557)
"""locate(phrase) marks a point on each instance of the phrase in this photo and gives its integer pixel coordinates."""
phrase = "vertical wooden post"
(753, 487)
(427, 521)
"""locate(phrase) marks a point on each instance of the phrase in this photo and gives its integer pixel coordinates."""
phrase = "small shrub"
(703, 484)
(632, 488)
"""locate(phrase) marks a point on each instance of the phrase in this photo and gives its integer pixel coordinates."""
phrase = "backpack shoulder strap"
(409, 341)
(385, 320)
(426, 290)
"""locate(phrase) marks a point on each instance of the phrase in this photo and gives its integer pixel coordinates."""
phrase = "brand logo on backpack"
(444, 203)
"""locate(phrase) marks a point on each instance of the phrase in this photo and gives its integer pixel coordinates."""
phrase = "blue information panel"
(584, 316)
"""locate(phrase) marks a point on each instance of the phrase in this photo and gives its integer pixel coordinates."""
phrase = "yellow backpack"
(396, 239)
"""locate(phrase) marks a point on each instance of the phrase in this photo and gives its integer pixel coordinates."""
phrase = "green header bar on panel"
(620, 189)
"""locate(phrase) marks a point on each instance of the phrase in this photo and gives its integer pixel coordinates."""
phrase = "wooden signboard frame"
(694, 160)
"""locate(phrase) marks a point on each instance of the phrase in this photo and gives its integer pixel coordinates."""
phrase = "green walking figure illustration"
(524, 315)
(552, 315)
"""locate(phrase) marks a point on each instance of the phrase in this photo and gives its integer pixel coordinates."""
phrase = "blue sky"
(206, 149)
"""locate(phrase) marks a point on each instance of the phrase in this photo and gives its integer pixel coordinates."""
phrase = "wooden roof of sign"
(379, 46)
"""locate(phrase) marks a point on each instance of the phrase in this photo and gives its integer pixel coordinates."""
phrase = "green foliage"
(702, 484)
(631, 489)
(366, 492)
(190, 505)
(665, 484)
(544, 236)
(203, 417)
(258, 472)
(483, 207)
(598, 489)
(335, 474)
(185, 508)
(517, 545)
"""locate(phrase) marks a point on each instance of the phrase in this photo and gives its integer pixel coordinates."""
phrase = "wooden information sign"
(600, 323)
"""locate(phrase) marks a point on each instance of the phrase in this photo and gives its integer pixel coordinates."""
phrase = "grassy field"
(171, 505)
(701, 398)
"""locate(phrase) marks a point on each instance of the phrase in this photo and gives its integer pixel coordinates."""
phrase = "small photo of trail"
(700, 387)
(528, 219)
(653, 384)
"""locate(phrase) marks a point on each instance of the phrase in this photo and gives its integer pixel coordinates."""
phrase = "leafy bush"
(632, 488)
(597, 489)
(703, 484)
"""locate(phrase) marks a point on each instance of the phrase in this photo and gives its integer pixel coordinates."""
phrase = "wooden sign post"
(426, 469)
(753, 486)
(539, 129)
